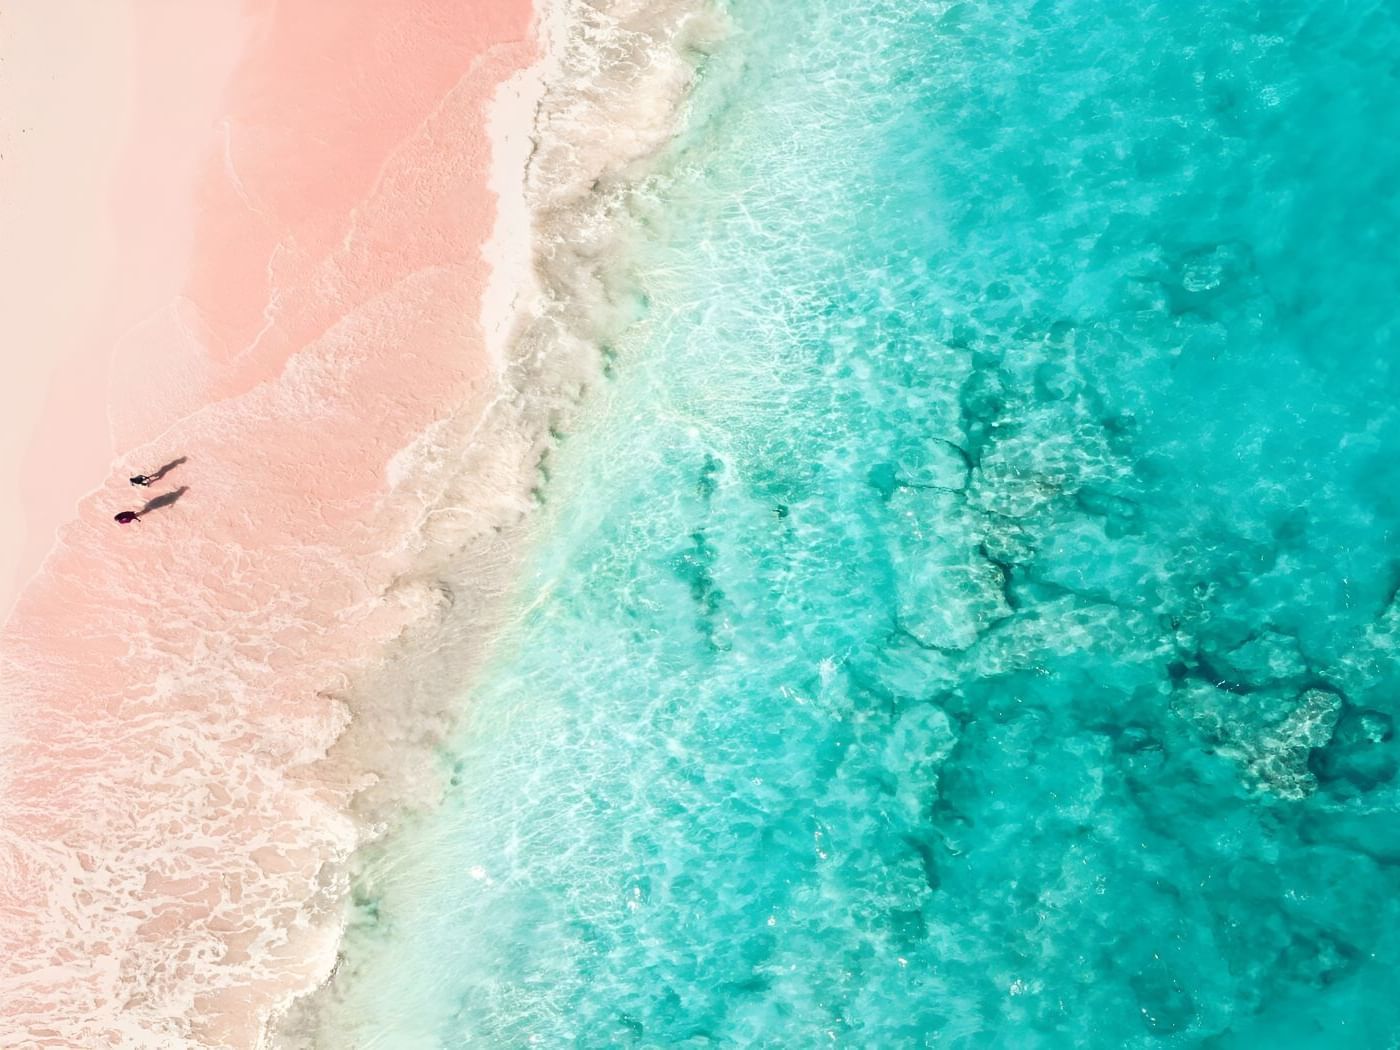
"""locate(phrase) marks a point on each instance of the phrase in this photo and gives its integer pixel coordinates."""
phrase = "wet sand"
(297, 300)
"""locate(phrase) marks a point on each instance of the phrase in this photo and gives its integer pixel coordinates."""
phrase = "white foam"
(511, 287)
(571, 137)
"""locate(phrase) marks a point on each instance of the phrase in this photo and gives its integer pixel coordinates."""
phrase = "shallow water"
(969, 617)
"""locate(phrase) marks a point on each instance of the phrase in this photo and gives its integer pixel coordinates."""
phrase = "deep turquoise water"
(969, 616)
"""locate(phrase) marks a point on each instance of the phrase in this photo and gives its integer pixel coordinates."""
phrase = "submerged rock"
(938, 464)
(1361, 755)
(948, 592)
(1267, 657)
(1270, 736)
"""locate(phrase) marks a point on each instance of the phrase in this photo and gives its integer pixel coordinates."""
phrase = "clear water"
(970, 619)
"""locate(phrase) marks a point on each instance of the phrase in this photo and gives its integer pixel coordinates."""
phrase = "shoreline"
(292, 634)
(405, 709)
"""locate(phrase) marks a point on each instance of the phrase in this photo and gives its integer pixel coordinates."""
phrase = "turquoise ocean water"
(968, 615)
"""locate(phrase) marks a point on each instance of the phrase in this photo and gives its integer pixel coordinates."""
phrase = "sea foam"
(605, 99)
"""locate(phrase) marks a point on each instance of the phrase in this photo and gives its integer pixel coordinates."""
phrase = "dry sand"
(65, 85)
(96, 218)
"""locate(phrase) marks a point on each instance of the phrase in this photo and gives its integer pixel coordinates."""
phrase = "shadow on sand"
(165, 499)
(166, 470)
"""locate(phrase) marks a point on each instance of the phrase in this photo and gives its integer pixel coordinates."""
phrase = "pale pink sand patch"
(97, 172)
(63, 82)
(166, 682)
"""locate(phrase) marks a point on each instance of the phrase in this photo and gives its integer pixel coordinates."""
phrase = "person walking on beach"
(143, 480)
(126, 517)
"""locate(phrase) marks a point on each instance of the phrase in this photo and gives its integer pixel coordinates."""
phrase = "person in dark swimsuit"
(141, 480)
(126, 517)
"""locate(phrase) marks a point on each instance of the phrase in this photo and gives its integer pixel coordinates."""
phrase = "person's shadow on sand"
(166, 470)
(165, 499)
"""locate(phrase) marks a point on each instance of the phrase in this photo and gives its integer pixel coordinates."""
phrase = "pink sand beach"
(250, 238)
